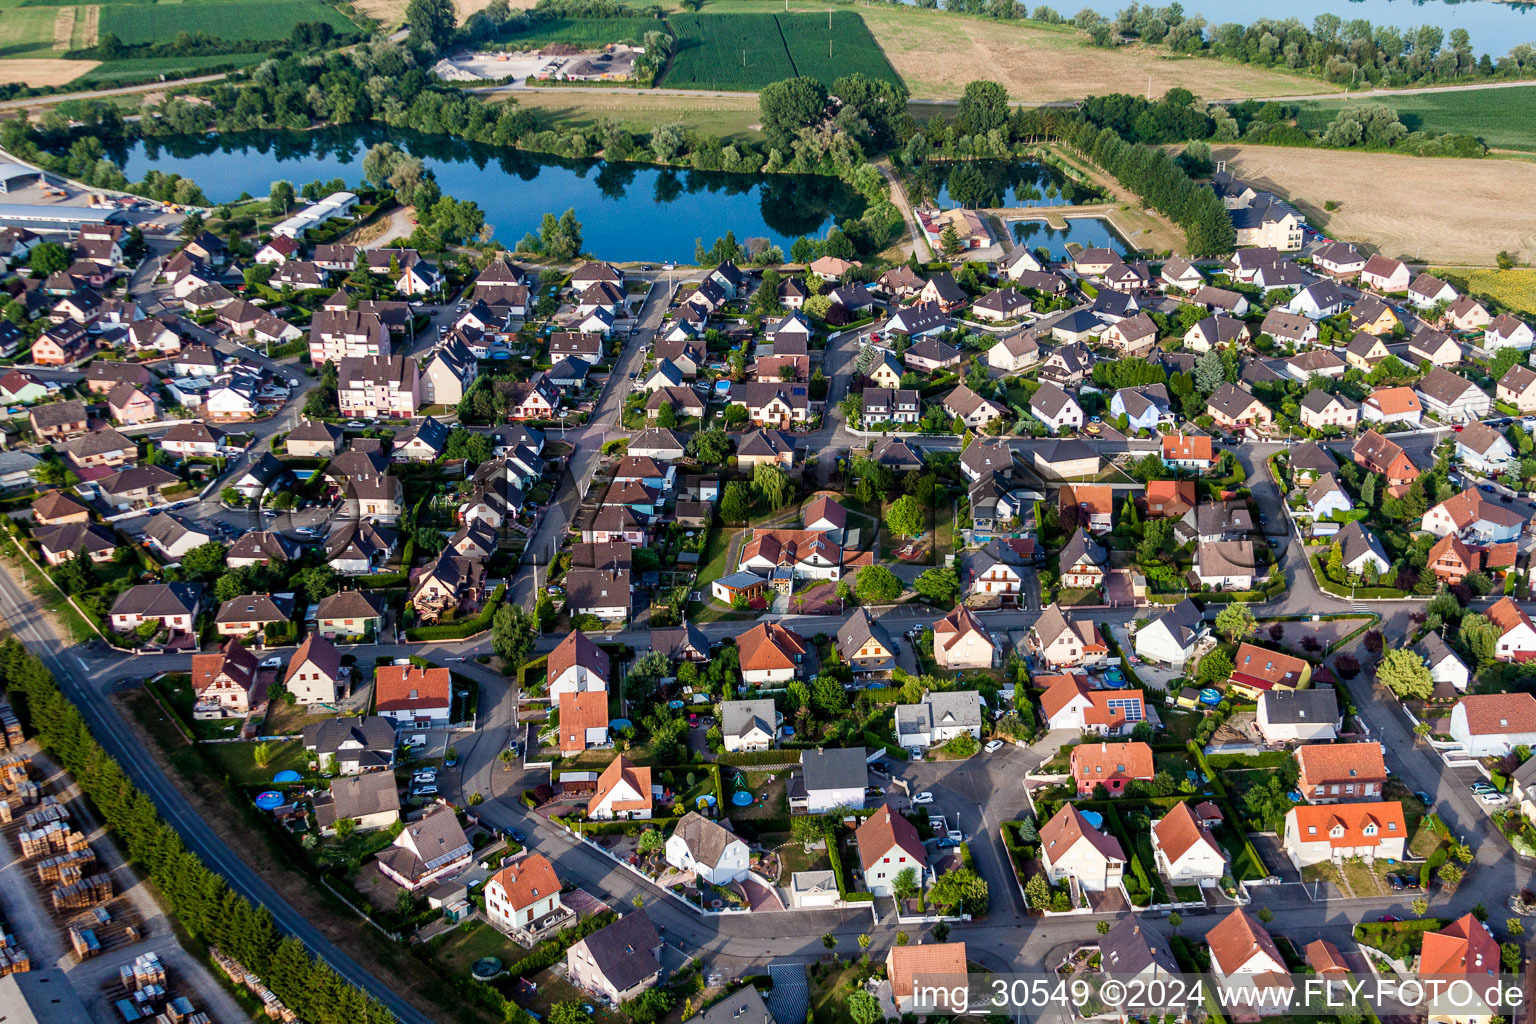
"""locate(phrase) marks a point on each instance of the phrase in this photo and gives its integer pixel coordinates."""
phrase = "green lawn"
(28, 32)
(1500, 117)
(237, 760)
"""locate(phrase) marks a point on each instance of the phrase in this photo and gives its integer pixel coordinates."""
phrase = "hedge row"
(745, 758)
(459, 630)
(551, 951)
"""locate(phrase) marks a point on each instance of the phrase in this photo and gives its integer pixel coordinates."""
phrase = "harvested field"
(937, 54)
(87, 26)
(1479, 206)
(43, 72)
(725, 116)
(63, 28)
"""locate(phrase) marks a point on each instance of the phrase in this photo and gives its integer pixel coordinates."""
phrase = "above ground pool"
(270, 800)
(287, 775)
(741, 798)
(1094, 818)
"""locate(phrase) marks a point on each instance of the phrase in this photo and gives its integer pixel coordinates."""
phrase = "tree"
(864, 940)
(876, 584)
(905, 517)
(863, 1007)
(1210, 374)
(567, 1013)
(963, 888)
(711, 447)
(204, 562)
(651, 840)
(829, 940)
(48, 258)
(513, 631)
(789, 106)
(280, 198)
(828, 696)
(261, 754)
(1235, 622)
(771, 485)
(939, 585)
(1405, 674)
(431, 22)
(736, 502)
(807, 830)
(905, 885)
(983, 107)
(1420, 907)
(1266, 915)
(1215, 667)
(1038, 891)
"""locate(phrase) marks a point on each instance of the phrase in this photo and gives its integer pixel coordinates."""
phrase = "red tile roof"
(527, 880)
(409, 688)
(1345, 825)
(883, 830)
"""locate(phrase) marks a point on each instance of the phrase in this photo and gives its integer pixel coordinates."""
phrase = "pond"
(989, 184)
(1088, 232)
(627, 211)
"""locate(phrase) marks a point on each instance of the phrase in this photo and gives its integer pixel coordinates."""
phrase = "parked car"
(1493, 799)
(275, 661)
(1394, 882)
(427, 790)
(1482, 787)
(993, 745)
(947, 843)
(922, 799)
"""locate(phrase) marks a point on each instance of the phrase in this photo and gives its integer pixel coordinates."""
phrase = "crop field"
(138, 23)
(729, 117)
(1502, 118)
(1515, 288)
(137, 69)
(1380, 199)
(587, 32)
(750, 50)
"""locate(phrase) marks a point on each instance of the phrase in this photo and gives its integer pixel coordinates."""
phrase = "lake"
(627, 211)
(1088, 232)
(1493, 27)
(994, 183)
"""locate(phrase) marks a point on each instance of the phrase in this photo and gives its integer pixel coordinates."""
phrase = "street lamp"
(563, 414)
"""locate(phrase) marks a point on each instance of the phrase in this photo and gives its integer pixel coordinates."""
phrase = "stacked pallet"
(84, 942)
(271, 1005)
(84, 894)
(66, 867)
(55, 837)
(13, 768)
(49, 810)
(13, 958)
(10, 727)
(146, 969)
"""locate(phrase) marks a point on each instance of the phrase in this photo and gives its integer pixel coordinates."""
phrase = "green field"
(27, 31)
(1502, 118)
(118, 71)
(589, 32)
(749, 51)
(137, 23)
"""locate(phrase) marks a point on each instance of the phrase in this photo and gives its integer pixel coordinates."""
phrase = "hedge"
(1435, 862)
(835, 856)
(1269, 759)
(742, 758)
(459, 630)
(550, 952)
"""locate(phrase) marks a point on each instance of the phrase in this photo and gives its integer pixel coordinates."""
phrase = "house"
(960, 641)
(57, 509)
(1484, 449)
(253, 613)
(604, 593)
(1361, 551)
(352, 745)
(1061, 641)
(1072, 362)
(743, 1006)
(1474, 520)
(1318, 300)
(1370, 316)
(173, 606)
(1340, 259)
(1083, 562)
(569, 344)
(920, 320)
(100, 448)
(1467, 314)
(1244, 954)
(523, 893)
(975, 411)
(1233, 408)
(1170, 638)
(313, 439)
(1327, 499)
(1317, 835)
(1189, 451)
(1144, 408)
(882, 405)
(788, 555)
(888, 845)
(358, 548)
(173, 536)
(423, 441)
(228, 682)
(1226, 564)
(449, 371)
(1385, 274)
(18, 388)
(1282, 275)
(61, 345)
(413, 696)
(865, 645)
(997, 569)
(931, 354)
(765, 447)
(349, 613)
(939, 718)
(57, 421)
(1055, 408)
(1071, 849)
(1069, 703)
(618, 961)
(577, 664)
(387, 387)
(1002, 304)
(748, 724)
(426, 850)
(1334, 772)
(335, 335)
(686, 355)
(314, 674)
(1378, 455)
(623, 791)
(1463, 947)
(1444, 665)
(710, 850)
(1321, 411)
(1437, 347)
(659, 443)
(1219, 331)
(941, 966)
(830, 778)
(264, 473)
(1494, 724)
(1183, 850)
(1518, 388)
(370, 801)
(1453, 399)
(1299, 716)
(1094, 505)
(1015, 351)
(770, 653)
(583, 721)
(1392, 405)
(1289, 328)
(1310, 461)
(60, 544)
(1256, 670)
(1132, 949)
(194, 438)
(1110, 765)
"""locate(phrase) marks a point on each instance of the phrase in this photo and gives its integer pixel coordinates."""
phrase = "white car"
(993, 745)
(922, 799)
(273, 662)
(1493, 799)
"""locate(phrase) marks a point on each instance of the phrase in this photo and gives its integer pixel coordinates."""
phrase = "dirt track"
(1415, 208)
